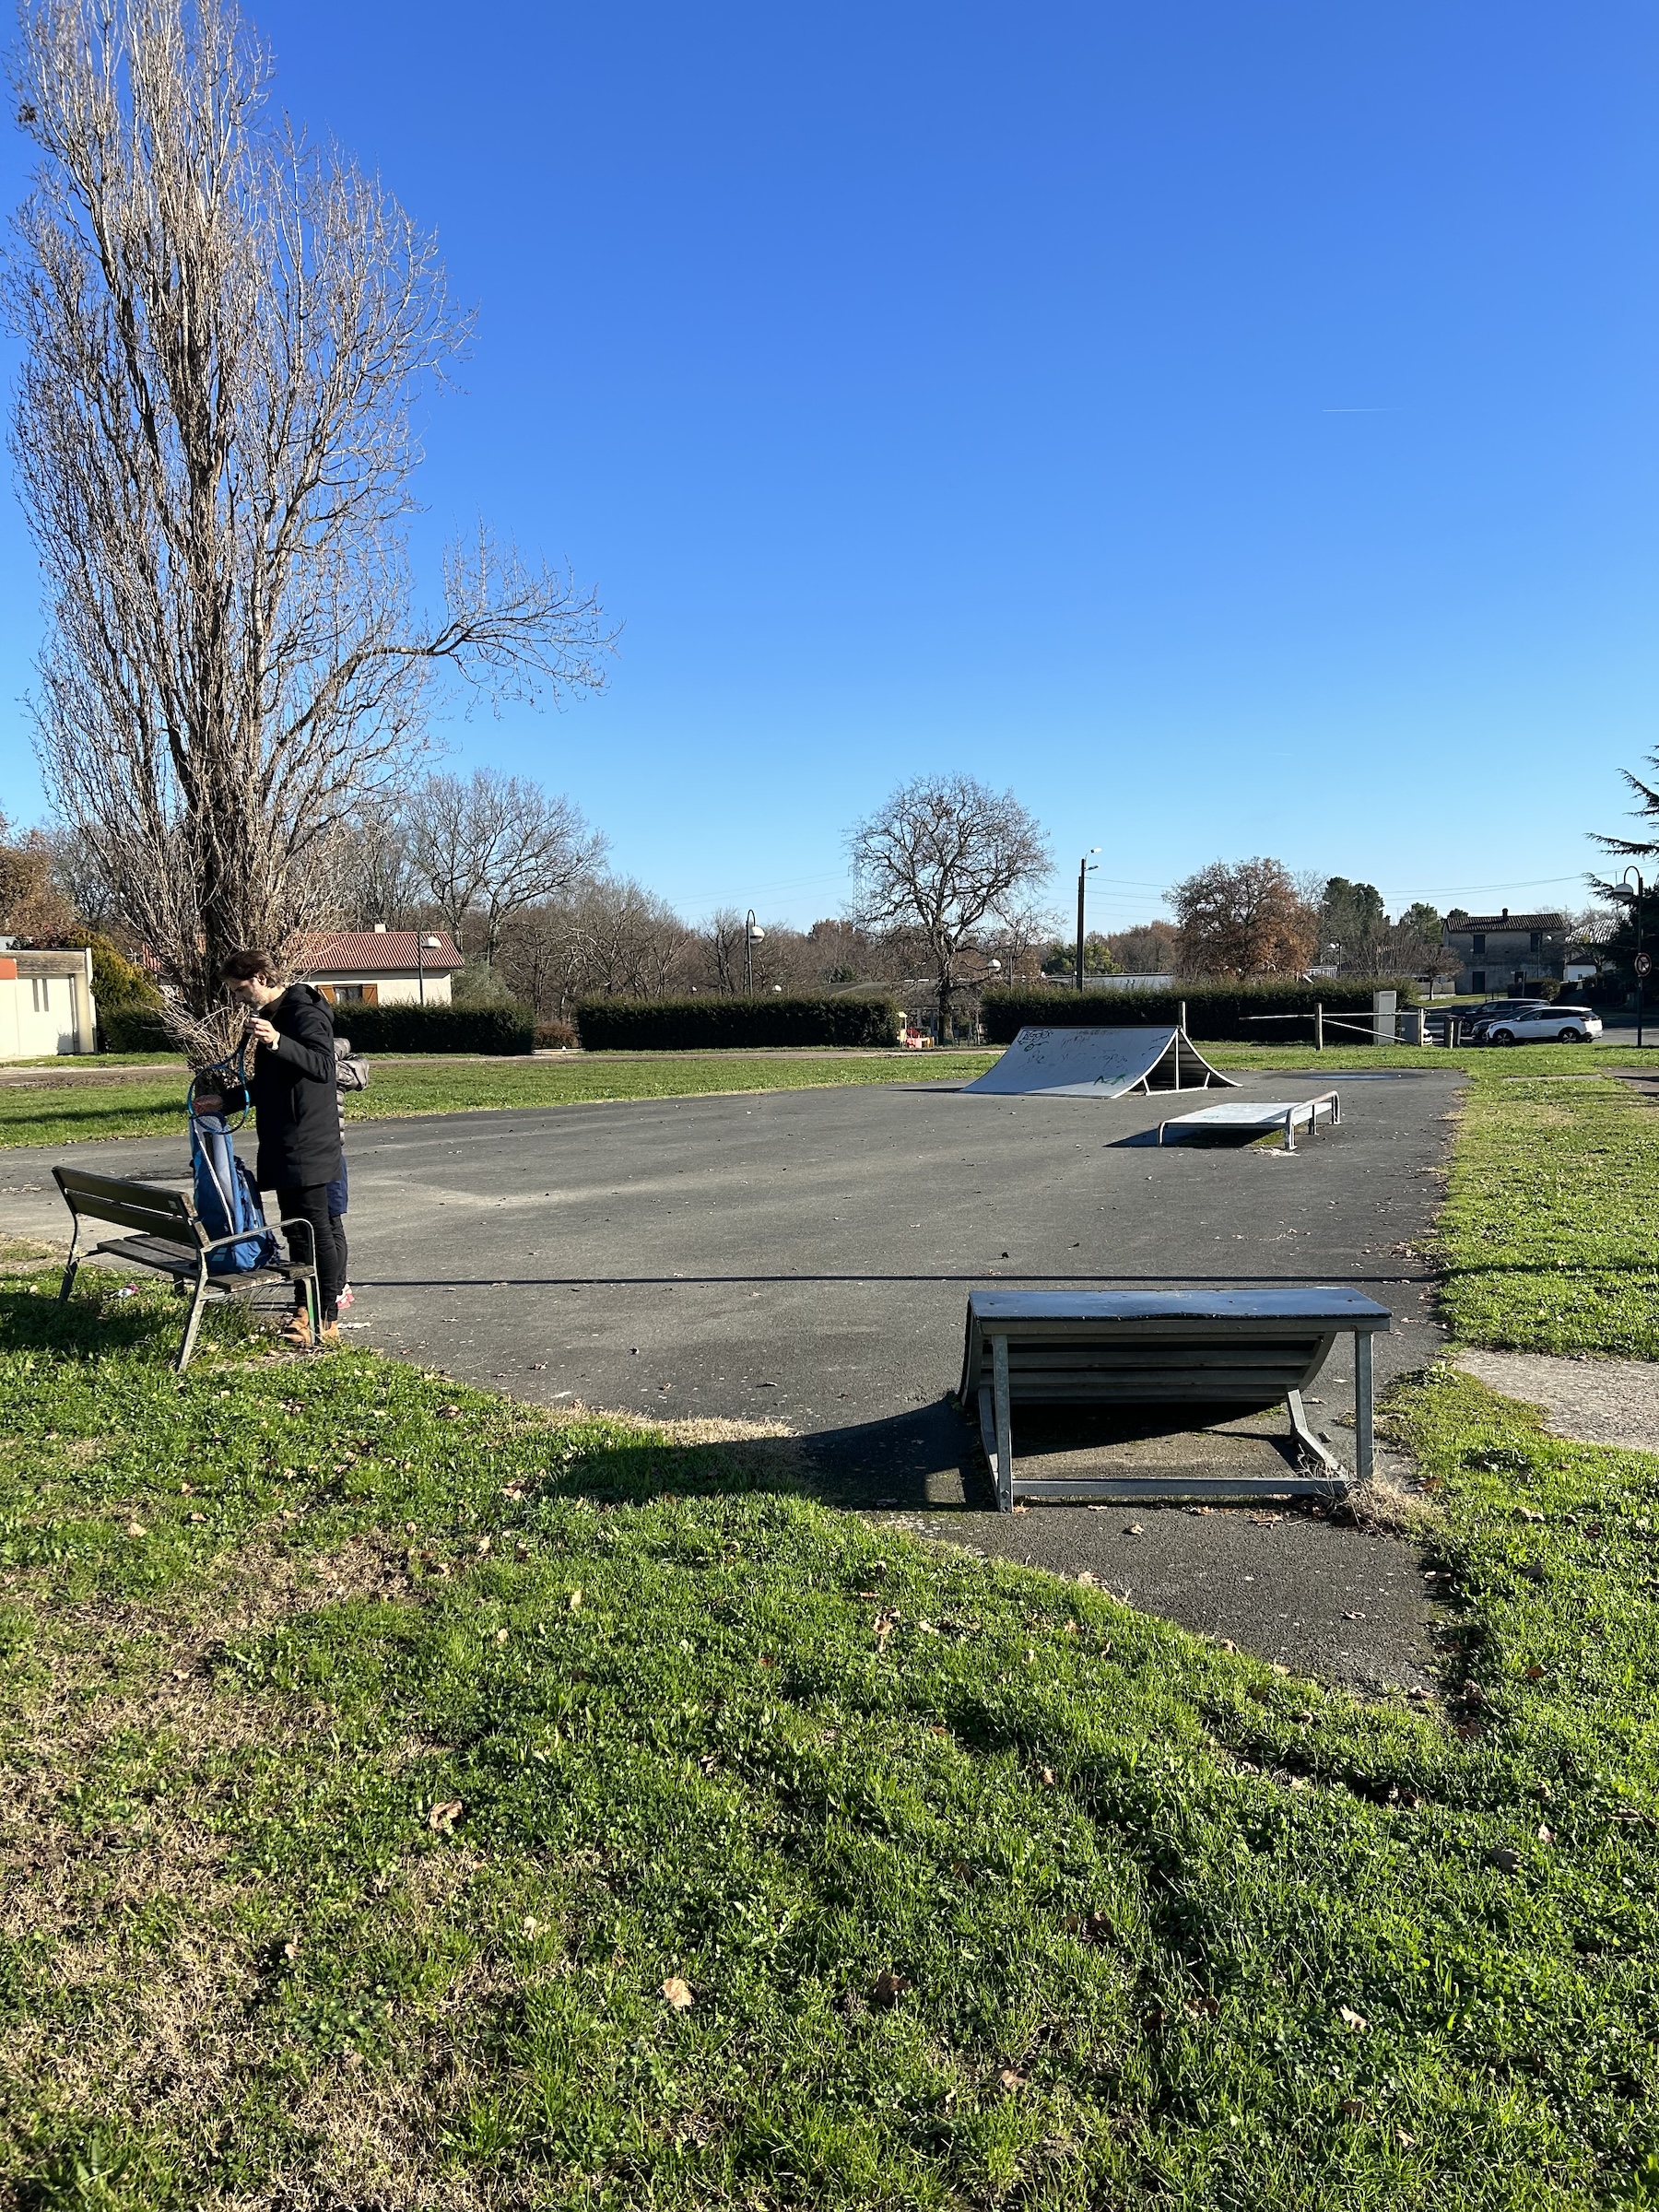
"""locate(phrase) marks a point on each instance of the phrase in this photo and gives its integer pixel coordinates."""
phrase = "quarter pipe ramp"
(1099, 1064)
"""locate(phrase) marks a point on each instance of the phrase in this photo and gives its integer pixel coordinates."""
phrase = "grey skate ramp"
(1098, 1064)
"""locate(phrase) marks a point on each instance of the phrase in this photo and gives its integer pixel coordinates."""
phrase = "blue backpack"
(227, 1197)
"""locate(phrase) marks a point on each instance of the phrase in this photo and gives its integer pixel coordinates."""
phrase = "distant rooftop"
(353, 952)
(1507, 921)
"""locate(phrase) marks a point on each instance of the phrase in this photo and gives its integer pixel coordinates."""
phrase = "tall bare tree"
(944, 854)
(493, 844)
(223, 331)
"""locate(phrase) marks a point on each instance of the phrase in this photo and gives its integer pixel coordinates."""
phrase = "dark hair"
(243, 967)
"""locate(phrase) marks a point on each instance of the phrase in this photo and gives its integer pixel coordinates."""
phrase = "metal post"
(420, 962)
(748, 953)
(1319, 1028)
(1183, 1018)
(1005, 1427)
(1362, 1403)
(1640, 975)
(1083, 866)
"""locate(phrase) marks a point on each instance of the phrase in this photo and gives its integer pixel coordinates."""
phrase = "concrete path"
(1592, 1401)
(803, 1258)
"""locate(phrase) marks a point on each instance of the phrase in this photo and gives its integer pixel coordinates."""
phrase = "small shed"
(46, 1002)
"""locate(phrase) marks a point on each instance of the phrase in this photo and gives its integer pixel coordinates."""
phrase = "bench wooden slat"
(170, 1214)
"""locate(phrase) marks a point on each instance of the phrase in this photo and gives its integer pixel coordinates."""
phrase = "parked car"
(1545, 1025)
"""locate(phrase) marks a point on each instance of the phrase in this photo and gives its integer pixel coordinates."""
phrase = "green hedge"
(497, 1030)
(1217, 1012)
(133, 1030)
(678, 1025)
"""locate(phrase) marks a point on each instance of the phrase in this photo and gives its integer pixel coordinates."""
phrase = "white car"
(1545, 1025)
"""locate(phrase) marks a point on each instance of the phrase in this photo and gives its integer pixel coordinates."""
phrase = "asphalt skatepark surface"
(802, 1258)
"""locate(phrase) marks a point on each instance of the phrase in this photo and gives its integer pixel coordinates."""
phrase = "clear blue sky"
(1229, 426)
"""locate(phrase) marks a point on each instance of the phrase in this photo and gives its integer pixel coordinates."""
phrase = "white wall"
(389, 990)
(42, 1014)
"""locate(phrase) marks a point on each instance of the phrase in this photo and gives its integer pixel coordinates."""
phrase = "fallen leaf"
(884, 1627)
(1226, 1643)
(1353, 2108)
(1204, 2007)
(1527, 1514)
(1087, 1578)
(483, 1546)
(1534, 1674)
(1350, 2019)
(574, 1601)
(448, 1413)
(889, 1987)
(137, 1528)
(1405, 2141)
(1503, 1860)
(531, 1923)
(500, 1636)
(290, 1949)
(678, 1993)
(1132, 1528)
(1546, 1835)
(443, 1818)
(1010, 2080)
(514, 1489)
(1097, 1928)
(1045, 1775)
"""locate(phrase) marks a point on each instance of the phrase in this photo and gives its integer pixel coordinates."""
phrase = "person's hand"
(261, 1030)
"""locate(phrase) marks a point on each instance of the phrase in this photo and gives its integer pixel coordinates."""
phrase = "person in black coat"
(297, 1116)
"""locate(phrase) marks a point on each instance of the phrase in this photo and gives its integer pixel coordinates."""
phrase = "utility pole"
(751, 937)
(1083, 865)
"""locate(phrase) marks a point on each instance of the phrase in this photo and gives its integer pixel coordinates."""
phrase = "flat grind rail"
(171, 1238)
(1260, 1116)
(1245, 1349)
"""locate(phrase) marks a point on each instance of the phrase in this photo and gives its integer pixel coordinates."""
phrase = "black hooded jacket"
(295, 1109)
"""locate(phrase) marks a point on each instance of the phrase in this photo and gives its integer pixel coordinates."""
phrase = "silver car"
(1543, 1025)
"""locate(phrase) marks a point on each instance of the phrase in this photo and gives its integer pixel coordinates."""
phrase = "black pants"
(309, 1202)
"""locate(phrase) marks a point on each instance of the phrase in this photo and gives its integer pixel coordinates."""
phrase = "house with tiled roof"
(1505, 955)
(378, 967)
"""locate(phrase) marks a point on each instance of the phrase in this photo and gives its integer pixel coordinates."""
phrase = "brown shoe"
(297, 1330)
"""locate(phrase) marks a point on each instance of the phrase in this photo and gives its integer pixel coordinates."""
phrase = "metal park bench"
(1244, 1349)
(1258, 1116)
(171, 1238)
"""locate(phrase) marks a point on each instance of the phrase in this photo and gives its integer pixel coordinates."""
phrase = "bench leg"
(192, 1322)
(1364, 1439)
(71, 1270)
(1004, 1429)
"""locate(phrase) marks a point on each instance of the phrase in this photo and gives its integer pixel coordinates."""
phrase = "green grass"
(72, 1113)
(266, 1623)
(1549, 1237)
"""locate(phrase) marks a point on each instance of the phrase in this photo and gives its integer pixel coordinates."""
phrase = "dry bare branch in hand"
(941, 856)
(224, 329)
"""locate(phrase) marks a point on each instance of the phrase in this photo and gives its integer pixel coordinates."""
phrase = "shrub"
(676, 1025)
(495, 1031)
(556, 1036)
(1215, 1012)
(135, 1029)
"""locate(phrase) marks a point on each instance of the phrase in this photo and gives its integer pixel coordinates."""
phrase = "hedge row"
(674, 1025)
(1218, 1013)
(497, 1030)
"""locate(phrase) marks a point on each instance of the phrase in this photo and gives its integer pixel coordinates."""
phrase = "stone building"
(1505, 955)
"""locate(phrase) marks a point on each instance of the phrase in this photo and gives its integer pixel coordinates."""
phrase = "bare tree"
(224, 330)
(373, 871)
(944, 854)
(1245, 919)
(494, 843)
(32, 903)
(612, 939)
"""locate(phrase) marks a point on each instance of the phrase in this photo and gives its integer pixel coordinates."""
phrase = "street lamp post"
(422, 947)
(1083, 865)
(1642, 959)
(751, 937)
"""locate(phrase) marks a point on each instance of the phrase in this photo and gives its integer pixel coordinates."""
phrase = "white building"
(46, 1004)
(379, 966)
